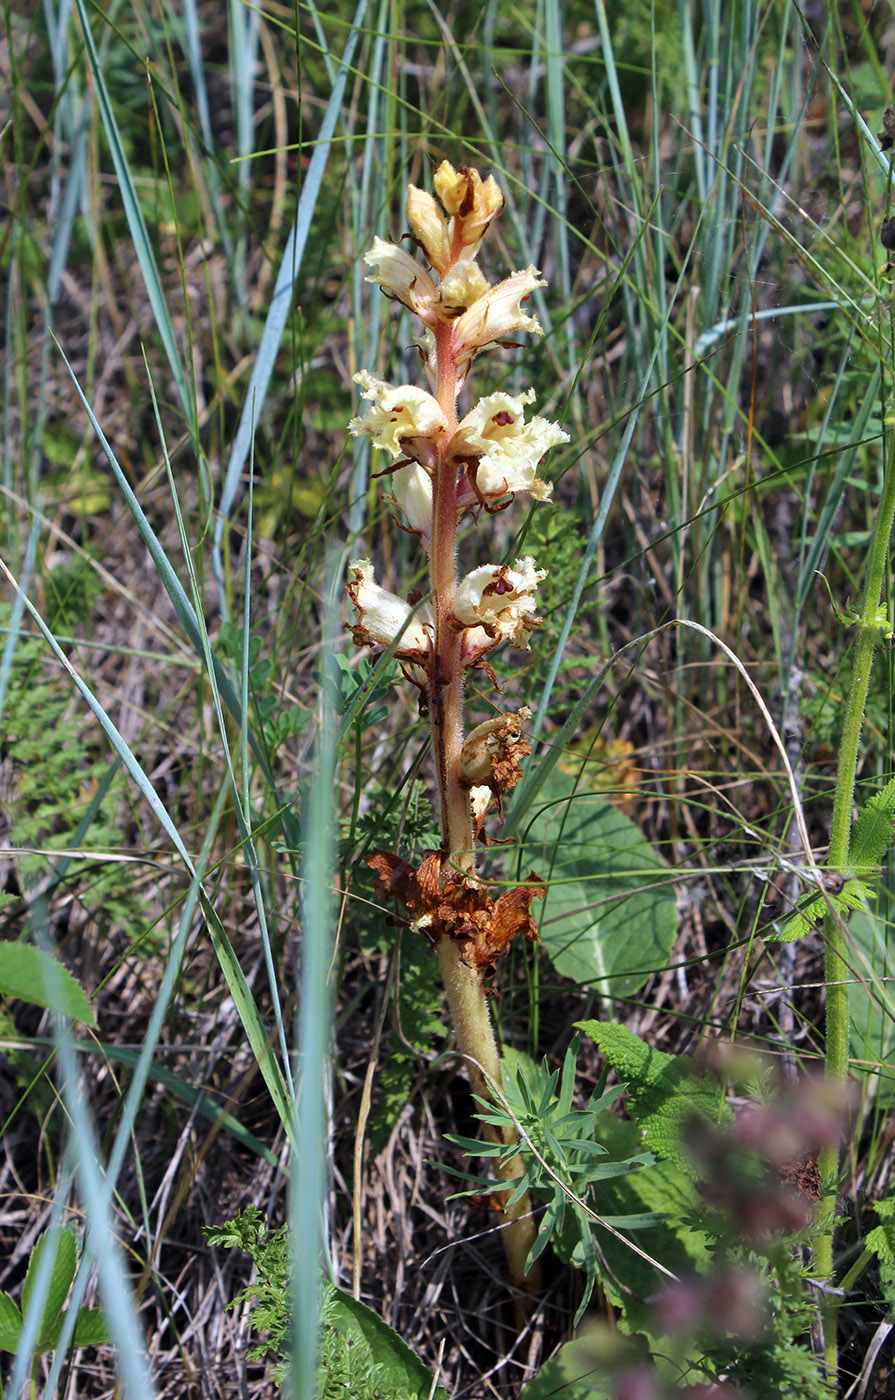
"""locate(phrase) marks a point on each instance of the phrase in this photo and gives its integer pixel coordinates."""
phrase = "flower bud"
(429, 227)
(474, 203)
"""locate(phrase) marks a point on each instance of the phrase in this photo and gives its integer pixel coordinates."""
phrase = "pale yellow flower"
(502, 451)
(496, 315)
(412, 494)
(399, 411)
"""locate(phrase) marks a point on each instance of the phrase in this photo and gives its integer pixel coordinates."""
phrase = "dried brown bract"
(444, 903)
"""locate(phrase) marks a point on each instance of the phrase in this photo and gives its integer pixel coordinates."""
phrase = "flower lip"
(401, 276)
(497, 314)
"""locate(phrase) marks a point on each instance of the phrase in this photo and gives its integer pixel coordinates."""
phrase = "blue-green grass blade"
(282, 299)
(310, 1167)
(136, 224)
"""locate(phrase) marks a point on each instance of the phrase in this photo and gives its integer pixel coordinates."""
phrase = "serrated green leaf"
(401, 1375)
(62, 1247)
(881, 1239)
(663, 1090)
(870, 839)
(812, 908)
(872, 832)
(609, 918)
(91, 1328)
(10, 1323)
(29, 974)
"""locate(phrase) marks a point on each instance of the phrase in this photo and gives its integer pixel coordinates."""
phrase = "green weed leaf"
(91, 1328)
(610, 915)
(63, 1248)
(663, 1091)
(881, 1239)
(29, 974)
(10, 1323)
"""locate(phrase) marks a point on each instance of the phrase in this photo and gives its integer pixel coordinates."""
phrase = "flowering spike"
(439, 470)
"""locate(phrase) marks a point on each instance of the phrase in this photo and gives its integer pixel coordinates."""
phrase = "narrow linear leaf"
(251, 1020)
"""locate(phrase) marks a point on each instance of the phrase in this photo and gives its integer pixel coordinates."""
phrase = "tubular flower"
(412, 494)
(383, 616)
(400, 276)
(501, 601)
(501, 450)
(496, 315)
(399, 412)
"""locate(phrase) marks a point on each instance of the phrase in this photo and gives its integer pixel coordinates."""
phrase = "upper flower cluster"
(482, 460)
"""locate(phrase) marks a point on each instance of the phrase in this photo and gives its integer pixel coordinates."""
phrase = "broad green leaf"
(401, 1374)
(578, 1371)
(91, 1328)
(871, 1004)
(610, 915)
(663, 1091)
(31, 975)
(10, 1323)
(62, 1248)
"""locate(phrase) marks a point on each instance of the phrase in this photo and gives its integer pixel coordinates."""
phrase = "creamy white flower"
(381, 616)
(399, 411)
(500, 600)
(508, 450)
(412, 494)
(401, 276)
(497, 314)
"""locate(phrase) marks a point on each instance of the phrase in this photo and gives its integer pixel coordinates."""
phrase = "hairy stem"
(836, 965)
(465, 992)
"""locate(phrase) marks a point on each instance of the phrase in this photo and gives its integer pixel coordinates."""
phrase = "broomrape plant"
(444, 469)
